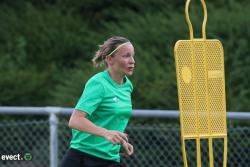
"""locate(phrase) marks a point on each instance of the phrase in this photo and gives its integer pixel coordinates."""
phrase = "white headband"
(117, 48)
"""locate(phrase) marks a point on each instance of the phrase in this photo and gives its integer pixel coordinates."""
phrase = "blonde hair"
(108, 48)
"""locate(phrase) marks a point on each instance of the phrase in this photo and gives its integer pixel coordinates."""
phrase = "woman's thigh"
(92, 161)
(76, 158)
(72, 159)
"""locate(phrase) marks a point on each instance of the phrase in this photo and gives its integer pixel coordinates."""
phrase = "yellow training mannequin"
(201, 90)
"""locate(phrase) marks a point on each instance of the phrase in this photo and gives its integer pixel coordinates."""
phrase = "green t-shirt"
(108, 105)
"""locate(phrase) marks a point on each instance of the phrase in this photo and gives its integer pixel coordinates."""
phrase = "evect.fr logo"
(16, 157)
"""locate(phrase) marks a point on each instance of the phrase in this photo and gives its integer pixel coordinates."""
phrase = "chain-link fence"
(156, 144)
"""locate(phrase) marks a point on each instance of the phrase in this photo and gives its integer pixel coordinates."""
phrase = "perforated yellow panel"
(200, 77)
(201, 90)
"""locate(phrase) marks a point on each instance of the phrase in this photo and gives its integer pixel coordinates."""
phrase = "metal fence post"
(53, 121)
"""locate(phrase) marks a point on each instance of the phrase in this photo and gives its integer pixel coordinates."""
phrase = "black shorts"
(76, 158)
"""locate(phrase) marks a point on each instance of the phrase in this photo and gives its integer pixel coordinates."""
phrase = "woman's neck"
(116, 77)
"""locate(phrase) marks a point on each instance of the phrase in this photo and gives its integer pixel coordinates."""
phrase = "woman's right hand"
(128, 149)
(115, 137)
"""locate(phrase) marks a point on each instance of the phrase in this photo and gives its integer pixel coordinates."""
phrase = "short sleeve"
(91, 97)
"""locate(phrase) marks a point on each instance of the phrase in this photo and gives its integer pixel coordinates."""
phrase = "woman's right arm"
(78, 121)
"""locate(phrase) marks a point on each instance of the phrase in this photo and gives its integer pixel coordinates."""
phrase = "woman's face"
(123, 62)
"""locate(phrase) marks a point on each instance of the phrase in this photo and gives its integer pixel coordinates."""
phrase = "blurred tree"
(46, 47)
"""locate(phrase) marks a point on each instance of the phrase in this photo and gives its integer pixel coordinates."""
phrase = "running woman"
(102, 112)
